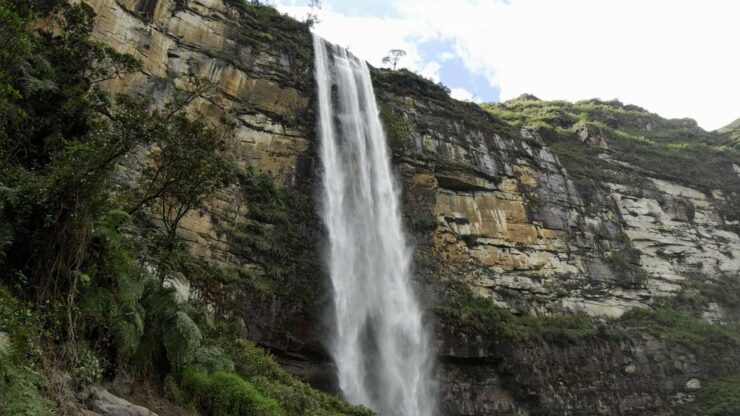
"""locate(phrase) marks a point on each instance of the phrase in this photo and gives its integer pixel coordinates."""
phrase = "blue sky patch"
(453, 72)
(364, 8)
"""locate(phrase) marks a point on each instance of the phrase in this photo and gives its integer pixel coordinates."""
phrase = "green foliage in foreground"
(21, 383)
(256, 385)
(83, 261)
(226, 394)
(295, 397)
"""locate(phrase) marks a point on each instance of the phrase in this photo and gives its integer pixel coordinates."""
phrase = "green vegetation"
(406, 80)
(465, 311)
(295, 397)
(675, 150)
(699, 292)
(85, 253)
(22, 385)
(679, 327)
(397, 128)
(449, 116)
(226, 394)
(732, 134)
(278, 233)
(264, 28)
(719, 398)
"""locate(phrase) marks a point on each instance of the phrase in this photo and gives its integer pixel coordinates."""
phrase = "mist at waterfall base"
(379, 345)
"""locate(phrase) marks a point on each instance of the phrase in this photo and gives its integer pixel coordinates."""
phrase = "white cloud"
(368, 37)
(445, 56)
(463, 95)
(675, 57)
(431, 71)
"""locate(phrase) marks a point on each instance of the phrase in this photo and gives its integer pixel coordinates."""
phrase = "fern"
(7, 196)
(20, 384)
(212, 359)
(113, 287)
(171, 339)
(181, 339)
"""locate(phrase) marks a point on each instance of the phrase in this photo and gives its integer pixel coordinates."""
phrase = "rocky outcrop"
(513, 225)
(105, 403)
(490, 205)
(641, 375)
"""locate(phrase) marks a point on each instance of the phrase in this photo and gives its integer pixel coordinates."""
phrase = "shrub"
(719, 398)
(21, 385)
(88, 370)
(396, 127)
(296, 398)
(466, 311)
(226, 394)
(681, 328)
(212, 359)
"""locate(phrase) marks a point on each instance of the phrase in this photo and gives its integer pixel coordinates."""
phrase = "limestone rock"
(693, 384)
(108, 404)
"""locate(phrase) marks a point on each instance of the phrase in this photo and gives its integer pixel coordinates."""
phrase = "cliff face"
(532, 237)
(521, 213)
(507, 219)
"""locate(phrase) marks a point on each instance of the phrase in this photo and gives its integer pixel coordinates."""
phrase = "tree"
(187, 165)
(312, 17)
(394, 55)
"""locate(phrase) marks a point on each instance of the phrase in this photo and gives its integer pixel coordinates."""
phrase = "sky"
(678, 58)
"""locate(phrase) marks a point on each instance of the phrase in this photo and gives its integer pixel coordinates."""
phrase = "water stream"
(380, 345)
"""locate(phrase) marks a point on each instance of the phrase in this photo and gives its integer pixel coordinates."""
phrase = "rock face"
(490, 205)
(511, 217)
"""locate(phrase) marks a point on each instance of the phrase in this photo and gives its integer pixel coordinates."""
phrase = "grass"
(673, 150)
(719, 398)
(468, 312)
(263, 26)
(700, 292)
(296, 397)
(679, 327)
(410, 83)
(226, 394)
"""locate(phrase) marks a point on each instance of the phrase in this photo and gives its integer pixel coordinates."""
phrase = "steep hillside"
(574, 258)
(131, 272)
(732, 132)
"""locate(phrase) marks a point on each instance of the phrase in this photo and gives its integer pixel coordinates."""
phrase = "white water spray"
(380, 346)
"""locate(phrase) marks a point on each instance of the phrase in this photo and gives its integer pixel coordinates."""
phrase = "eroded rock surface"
(489, 205)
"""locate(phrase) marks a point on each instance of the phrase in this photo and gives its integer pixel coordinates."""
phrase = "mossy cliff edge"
(575, 258)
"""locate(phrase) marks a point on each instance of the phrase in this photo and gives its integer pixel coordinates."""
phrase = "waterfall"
(379, 345)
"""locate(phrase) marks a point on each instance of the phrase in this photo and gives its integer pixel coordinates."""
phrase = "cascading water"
(380, 345)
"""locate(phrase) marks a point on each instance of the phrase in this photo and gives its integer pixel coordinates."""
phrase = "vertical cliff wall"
(547, 242)
(498, 215)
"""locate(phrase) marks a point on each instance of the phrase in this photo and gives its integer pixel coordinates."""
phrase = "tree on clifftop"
(394, 55)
